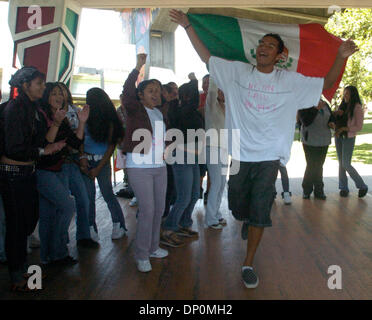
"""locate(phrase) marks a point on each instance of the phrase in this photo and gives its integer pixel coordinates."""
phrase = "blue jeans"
(105, 185)
(56, 211)
(2, 231)
(284, 178)
(187, 182)
(80, 193)
(345, 148)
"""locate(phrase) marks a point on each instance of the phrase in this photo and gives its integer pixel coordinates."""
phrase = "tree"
(357, 25)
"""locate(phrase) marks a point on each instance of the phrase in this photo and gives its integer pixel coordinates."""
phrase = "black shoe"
(305, 196)
(344, 193)
(244, 232)
(362, 192)
(205, 197)
(320, 196)
(87, 243)
(250, 279)
(67, 261)
(125, 193)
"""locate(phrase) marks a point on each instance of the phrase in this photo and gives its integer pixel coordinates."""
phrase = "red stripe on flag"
(318, 50)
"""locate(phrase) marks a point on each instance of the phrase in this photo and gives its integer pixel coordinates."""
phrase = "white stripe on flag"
(252, 32)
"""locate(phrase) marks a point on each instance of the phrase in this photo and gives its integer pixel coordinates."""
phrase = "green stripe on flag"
(220, 34)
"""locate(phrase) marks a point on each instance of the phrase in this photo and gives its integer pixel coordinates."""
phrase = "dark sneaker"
(244, 232)
(344, 193)
(170, 240)
(185, 232)
(67, 261)
(87, 243)
(320, 196)
(305, 196)
(250, 279)
(125, 193)
(362, 192)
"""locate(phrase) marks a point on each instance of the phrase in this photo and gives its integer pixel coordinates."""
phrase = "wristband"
(188, 26)
(84, 156)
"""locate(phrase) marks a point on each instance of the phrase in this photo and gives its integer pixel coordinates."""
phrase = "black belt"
(16, 170)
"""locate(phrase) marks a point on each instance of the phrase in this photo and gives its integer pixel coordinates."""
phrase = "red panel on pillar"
(47, 17)
(38, 57)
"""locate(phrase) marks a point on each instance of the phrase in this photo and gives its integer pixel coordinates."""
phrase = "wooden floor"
(292, 262)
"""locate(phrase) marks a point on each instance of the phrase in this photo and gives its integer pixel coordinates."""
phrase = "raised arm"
(129, 95)
(212, 94)
(346, 49)
(181, 18)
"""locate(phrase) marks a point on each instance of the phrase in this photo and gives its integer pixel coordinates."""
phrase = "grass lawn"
(362, 153)
(367, 128)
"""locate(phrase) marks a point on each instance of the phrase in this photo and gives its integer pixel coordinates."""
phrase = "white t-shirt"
(214, 117)
(154, 158)
(262, 107)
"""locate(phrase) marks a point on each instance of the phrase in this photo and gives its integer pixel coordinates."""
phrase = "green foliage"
(362, 153)
(357, 25)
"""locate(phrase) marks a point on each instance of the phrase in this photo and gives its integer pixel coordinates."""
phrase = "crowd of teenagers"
(53, 152)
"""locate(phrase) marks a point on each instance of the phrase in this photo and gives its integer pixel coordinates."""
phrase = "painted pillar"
(136, 27)
(45, 35)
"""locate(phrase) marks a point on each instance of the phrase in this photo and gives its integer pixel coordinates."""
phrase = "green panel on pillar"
(64, 62)
(71, 21)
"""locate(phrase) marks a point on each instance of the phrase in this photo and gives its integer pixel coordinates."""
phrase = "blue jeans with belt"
(105, 185)
(56, 211)
(80, 193)
(345, 148)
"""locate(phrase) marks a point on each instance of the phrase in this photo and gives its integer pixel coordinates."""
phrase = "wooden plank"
(292, 260)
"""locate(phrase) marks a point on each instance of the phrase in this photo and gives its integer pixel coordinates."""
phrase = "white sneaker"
(133, 202)
(287, 197)
(144, 265)
(217, 226)
(93, 234)
(117, 231)
(159, 253)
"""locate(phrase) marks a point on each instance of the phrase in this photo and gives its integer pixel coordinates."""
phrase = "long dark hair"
(69, 96)
(188, 95)
(47, 108)
(354, 99)
(103, 117)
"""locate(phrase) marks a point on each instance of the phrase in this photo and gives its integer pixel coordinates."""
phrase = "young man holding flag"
(263, 103)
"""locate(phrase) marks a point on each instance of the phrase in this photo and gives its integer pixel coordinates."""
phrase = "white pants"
(217, 178)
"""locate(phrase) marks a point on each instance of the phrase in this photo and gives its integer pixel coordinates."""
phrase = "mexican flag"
(309, 48)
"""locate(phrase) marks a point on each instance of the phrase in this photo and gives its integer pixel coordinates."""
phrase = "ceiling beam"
(223, 3)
